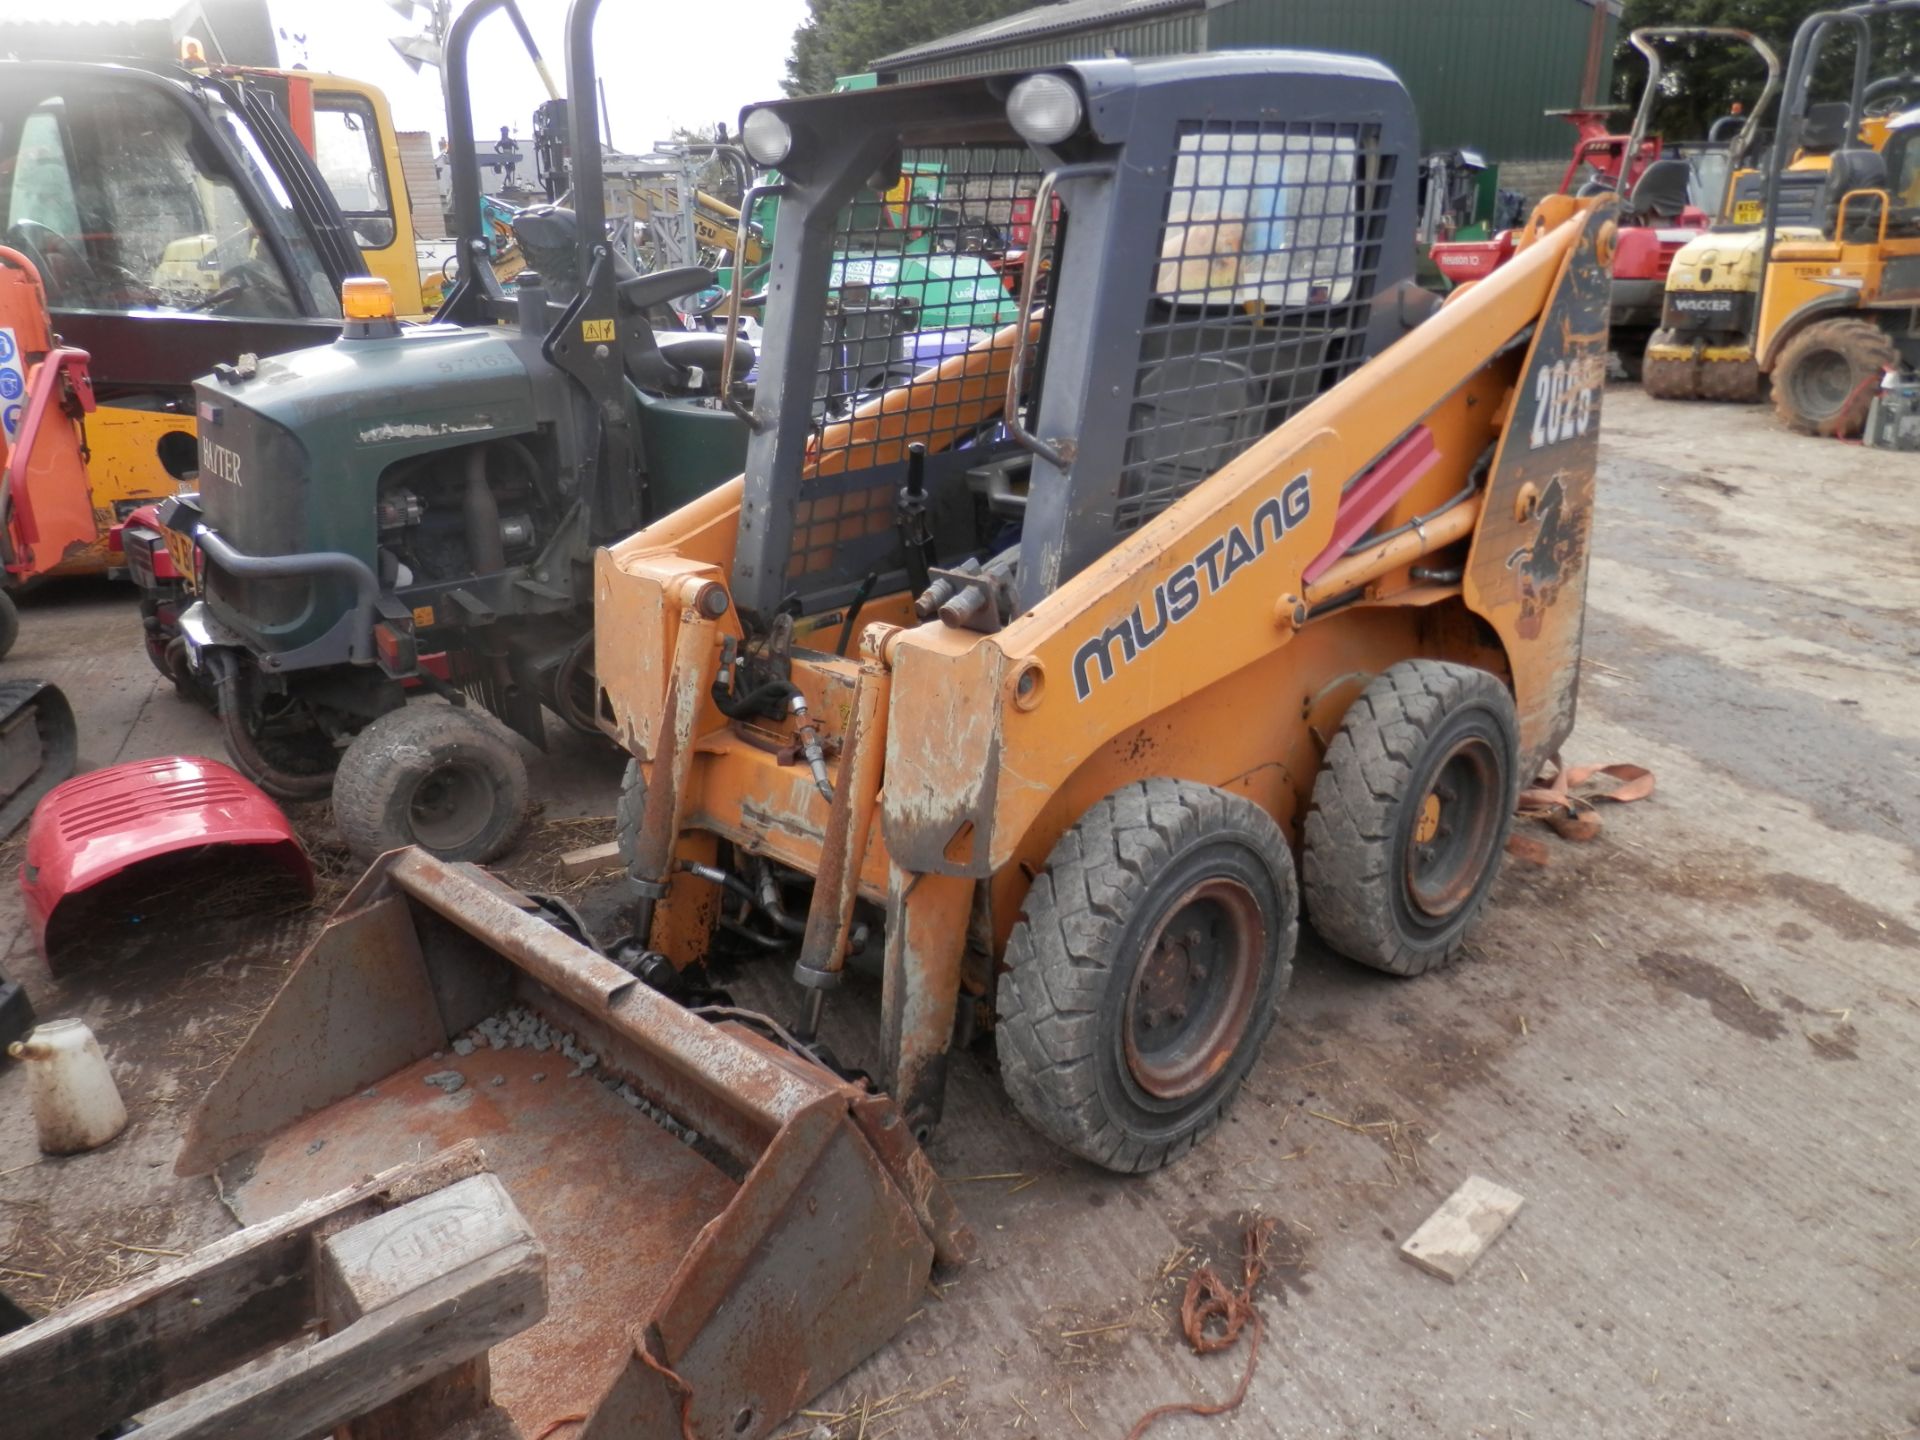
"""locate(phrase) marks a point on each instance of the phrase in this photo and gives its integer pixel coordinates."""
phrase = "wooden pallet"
(368, 1312)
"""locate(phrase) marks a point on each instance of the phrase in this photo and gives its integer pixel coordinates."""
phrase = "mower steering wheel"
(1891, 94)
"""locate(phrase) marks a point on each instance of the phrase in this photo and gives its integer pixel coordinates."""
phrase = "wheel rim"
(1822, 383)
(450, 807)
(1190, 999)
(1453, 830)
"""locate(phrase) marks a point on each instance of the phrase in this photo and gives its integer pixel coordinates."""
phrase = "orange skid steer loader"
(1197, 560)
(1165, 594)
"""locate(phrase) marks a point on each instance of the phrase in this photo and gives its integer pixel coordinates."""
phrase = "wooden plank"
(1459, 1232)
(376, 1263)
(97, 1362)
(382, 1262)
(576, 863)
(451, 1273)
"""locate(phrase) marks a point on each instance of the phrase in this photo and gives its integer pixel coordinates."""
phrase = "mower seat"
(643, 292)
(1661, 191)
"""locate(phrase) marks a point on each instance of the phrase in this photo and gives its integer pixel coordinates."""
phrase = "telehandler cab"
(1034, 675)
(413, 510)
(180, 215)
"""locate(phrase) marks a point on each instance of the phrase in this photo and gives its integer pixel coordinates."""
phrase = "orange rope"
(1209, 1299)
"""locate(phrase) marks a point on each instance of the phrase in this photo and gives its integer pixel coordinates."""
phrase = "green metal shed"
(1481, 72)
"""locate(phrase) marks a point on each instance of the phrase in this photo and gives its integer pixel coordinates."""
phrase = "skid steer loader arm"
(730, 1226)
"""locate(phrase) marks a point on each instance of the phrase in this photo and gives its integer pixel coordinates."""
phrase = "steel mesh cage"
(1261, 296)
(923, 273)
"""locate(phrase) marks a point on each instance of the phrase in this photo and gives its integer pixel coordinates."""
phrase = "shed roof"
(1054, 19)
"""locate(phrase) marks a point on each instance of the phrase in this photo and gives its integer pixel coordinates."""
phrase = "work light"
(766, 137)
(1044, 109)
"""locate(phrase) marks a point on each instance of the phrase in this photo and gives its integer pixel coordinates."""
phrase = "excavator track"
(39, 746)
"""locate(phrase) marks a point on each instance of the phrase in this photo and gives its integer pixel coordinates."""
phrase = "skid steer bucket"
(730, 1227)
(39, 746)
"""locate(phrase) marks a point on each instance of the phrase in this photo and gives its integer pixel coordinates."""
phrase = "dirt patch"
(46, 1262)
(1708, 481)
(1847, 917)
(1583, 879)
(1217, 1241)
(1730, 1001)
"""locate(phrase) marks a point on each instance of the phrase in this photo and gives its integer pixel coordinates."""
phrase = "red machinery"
(1660, 213)
(46, 510)
(46, 506)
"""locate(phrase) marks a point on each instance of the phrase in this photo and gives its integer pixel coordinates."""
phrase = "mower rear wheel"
(1824, 381)
(281, 750)
(444, 778)
(1410, 815)
(1145, 970)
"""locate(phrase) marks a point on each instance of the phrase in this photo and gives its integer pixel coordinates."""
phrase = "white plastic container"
(76, 1105)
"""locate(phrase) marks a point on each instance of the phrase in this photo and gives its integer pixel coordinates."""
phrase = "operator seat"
(1825, 128)
(1661, 191)
(665, 361)
(1851, 169)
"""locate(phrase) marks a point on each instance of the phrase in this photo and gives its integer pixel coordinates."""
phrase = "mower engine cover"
(100, 824)
(293, 451)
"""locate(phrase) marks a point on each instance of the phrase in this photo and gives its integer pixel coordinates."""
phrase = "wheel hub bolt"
(1178, 1012)
(1199, 972)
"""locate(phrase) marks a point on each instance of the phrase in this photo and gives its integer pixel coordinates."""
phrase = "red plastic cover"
(97, 825)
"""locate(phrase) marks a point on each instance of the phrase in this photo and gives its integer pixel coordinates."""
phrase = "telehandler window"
(346, 147)
(124, 204)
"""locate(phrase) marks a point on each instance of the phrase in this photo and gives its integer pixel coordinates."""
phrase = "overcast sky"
(663, 63)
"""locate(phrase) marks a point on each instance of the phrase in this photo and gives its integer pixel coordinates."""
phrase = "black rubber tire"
(1111, 885)
(1849, 341)
(382, 776)
(9, 624)
(1360, 831)
(299, 766)
(628, 811)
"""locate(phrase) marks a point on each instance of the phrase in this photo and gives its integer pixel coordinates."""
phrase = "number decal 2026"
(1565, 395)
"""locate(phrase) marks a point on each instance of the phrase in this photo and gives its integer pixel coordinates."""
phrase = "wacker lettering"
(1180, 594)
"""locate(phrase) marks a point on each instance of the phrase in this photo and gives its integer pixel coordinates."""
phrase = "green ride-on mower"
(394, 534)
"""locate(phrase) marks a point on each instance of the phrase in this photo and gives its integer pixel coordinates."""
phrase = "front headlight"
(766, 137)
(1044, 109)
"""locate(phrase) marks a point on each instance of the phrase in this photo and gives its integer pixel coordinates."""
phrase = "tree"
(1703, 79)
(844, 37)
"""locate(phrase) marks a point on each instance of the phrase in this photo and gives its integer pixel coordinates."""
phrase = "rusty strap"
(1552, 799)
(1210, 1301)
